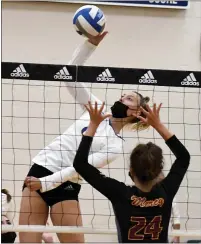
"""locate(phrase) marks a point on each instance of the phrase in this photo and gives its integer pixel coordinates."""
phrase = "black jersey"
(140, 216)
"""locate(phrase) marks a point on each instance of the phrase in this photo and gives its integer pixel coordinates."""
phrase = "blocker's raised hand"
(152, 115)
(96, 115)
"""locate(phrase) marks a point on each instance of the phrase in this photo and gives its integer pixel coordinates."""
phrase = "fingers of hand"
(103, 34)
(144, 111)
(28, 185)
(150, 113)
(27, 180)
(149, 109)
(101, 108)
(33, 186)
(32, 183)
(96, 108)
(87, 107)
(144, 120)
(90, 106)
(154, 108)
(158, 109)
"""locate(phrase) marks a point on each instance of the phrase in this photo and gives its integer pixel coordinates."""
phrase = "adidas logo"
(70, 187)
(148, 78)
(63, 74)
(19, 72)
(190, 80)
(105, 76)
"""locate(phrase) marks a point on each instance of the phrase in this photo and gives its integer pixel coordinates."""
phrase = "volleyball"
(89, 21)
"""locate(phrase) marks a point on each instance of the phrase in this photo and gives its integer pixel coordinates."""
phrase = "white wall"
(139, 37)
(147, 38)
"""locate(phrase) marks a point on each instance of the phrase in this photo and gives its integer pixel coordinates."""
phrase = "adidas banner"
(50, 72)
(139, 3)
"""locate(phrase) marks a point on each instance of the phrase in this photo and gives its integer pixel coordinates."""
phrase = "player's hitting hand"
(152, 115)
(33, 183)
(95, 40)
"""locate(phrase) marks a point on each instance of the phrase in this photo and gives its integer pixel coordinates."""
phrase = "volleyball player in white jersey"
(58, 185)
(52, 181)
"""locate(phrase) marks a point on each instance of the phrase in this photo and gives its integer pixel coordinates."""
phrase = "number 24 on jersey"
(153, 228)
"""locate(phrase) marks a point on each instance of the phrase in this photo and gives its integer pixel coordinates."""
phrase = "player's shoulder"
(158, 191)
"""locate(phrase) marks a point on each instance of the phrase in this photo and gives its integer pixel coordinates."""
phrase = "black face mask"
(119, 110)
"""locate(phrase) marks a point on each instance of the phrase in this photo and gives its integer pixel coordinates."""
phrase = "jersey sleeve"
(110, 188)
(173, 180)
(77, 89)
(99, 159)
(82, 53)
(52, 181)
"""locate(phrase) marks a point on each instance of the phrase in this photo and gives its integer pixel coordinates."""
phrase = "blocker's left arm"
(109, 187)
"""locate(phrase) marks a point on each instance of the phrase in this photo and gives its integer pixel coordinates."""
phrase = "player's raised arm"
(84, 51)
(173, 180)
(107, 186)
(78, 90)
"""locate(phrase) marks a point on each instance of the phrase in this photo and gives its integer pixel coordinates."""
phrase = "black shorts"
(8, 237)
(66, 191)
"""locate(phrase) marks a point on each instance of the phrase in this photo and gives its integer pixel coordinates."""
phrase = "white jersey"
(59, 155)
(7, 209)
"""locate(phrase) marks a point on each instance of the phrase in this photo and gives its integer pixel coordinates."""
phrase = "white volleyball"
(89, 21)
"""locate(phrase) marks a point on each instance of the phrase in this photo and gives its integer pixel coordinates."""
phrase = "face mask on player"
(119, 110)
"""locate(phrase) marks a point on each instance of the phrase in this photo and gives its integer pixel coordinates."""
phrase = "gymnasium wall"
(139, 37)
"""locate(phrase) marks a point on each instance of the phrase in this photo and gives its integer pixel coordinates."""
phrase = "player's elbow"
(184, 157)
(78, 164)
(187, 157)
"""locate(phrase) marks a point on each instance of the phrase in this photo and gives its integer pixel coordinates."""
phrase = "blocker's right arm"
(78, 90)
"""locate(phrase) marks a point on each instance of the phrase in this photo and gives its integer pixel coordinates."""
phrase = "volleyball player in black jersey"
(142, 211)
